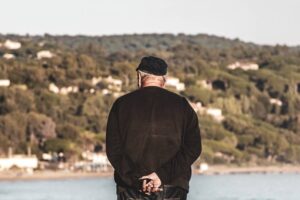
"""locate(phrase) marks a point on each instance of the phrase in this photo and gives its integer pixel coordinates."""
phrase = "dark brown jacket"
(152, 130)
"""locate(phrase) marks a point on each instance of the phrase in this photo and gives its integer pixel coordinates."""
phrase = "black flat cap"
(153, 65)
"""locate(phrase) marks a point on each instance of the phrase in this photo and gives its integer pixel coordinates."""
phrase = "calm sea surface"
(215, 187)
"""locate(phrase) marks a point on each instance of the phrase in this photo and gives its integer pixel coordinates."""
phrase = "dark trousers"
(169, 192)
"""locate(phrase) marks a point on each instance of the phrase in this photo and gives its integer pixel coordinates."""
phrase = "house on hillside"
(4, 82)
(64, 90)
(44, 54)
(277, 102)
(216, 113)
(12, 45)
(112, 83)
(243, 65)
(8, 56)
(175, 82)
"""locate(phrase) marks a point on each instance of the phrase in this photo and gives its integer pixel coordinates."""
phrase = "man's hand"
(153, 185)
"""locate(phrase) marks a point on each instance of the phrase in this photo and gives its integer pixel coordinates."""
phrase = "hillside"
(59, 93)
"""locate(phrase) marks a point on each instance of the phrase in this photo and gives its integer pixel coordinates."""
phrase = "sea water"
(202, 187)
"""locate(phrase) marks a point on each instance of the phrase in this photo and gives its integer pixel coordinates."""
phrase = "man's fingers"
(144, 185)
(149, 185)
(149, 189)
(145, 177)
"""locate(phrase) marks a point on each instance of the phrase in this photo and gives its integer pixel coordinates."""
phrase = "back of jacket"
(152, 130)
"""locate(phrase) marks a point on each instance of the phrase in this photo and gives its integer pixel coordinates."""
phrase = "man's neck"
(151, 84)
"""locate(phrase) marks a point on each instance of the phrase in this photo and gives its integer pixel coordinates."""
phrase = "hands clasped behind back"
(151, 186)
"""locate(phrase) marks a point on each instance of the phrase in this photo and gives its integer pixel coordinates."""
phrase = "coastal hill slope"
(56, 92)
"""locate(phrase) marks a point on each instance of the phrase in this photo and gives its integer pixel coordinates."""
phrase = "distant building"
(47, 157)
(19, 161)
(106, 91)
(53, 88)
(92, 90)
(69, 89)
(203, 167)
(112, 83)
(93, 162)
(276, 101)
(175, 82)
(96, 80)
(4, 82)
(41, 44)
(12, 45)
(244, 66)
(216, 113)
(44, 54)
(8, 56)
(64, 90)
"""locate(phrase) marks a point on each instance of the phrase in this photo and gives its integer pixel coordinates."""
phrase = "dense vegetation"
(253, 131)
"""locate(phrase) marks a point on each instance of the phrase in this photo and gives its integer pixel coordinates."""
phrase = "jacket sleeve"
(113, 139)
(189, 151)
(114, 147)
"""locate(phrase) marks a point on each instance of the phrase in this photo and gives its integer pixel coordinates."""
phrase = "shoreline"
(51, 175)
(212, 170)
(232, 169)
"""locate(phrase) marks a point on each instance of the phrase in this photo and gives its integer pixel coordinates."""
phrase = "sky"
(259, 21)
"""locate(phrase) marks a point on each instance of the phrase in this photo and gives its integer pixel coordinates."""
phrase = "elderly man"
(152, 138)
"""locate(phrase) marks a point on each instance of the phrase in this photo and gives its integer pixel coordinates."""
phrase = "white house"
(64, 90)
(96, 80)
(244, 66)
(4, 83)
(69, 89)
(20, 161)
(105, 91)
(203, 167)
(276, 101)
(113, 84)
(53, 88)
(175, 82)
(8, 56)
(101, 159)
(96, 160)
(12, 45)
(216, 113)
(44, 54)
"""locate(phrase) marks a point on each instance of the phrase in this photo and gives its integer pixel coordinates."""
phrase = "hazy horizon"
(266, 22)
